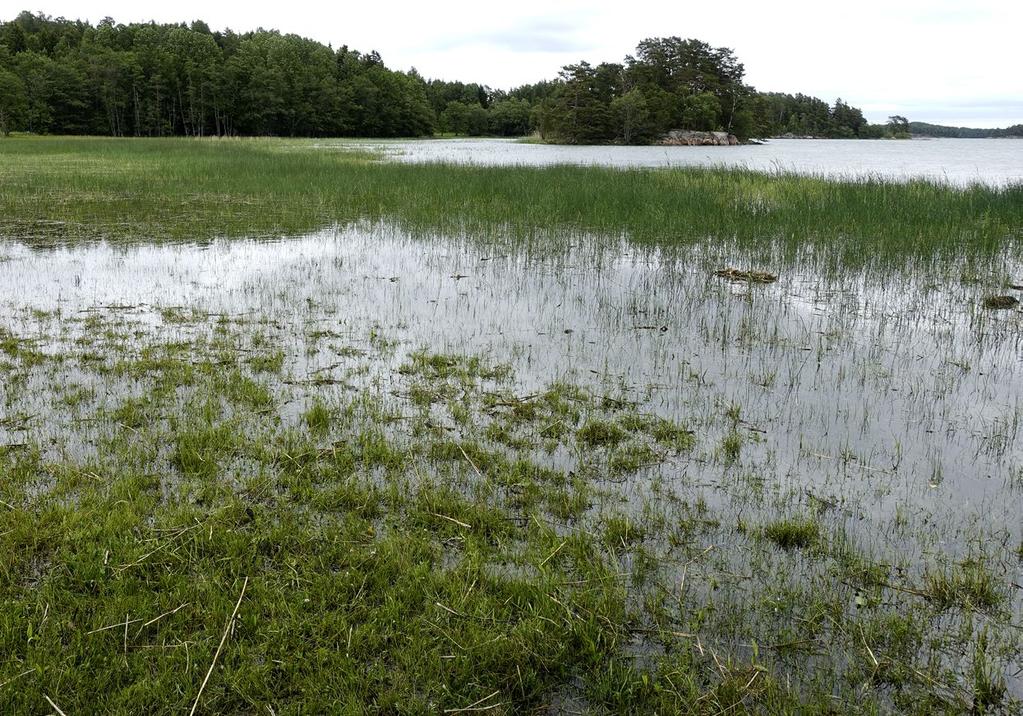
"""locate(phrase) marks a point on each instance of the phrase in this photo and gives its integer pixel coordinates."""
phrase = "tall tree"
(13, 101)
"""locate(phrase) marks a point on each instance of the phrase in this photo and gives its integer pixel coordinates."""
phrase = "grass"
(404, 594)
(597, 433)
(317, 417)
(541, 479)
(56, 189)
(968, 584)
(793, 533)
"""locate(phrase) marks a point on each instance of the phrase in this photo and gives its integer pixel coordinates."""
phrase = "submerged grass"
(968, 584)
(372, 552)
(181, 189)
(326, 515)
(325, 563)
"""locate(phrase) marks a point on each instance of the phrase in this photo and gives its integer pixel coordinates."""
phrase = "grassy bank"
(183, 189)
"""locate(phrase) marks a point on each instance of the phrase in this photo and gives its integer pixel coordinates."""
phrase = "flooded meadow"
(286, 430)
(817, 480)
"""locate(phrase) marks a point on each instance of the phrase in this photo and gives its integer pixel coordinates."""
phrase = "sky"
(943, 61)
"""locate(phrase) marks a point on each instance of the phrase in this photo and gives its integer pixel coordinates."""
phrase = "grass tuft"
(793, 533)
(967, 585)
(600, 433)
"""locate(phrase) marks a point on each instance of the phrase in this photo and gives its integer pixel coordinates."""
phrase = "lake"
(996, 162)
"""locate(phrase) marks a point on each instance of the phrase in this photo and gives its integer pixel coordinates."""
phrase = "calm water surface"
(996, 162)
(885, 395)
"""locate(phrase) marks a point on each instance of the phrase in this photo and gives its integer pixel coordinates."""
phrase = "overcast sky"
(944, 61)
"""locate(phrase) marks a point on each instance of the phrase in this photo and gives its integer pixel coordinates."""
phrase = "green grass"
(425, 531)
(793, 533)
(968, 584)
(600, 433)
(351, 567)
(317, 417)
(54, 189)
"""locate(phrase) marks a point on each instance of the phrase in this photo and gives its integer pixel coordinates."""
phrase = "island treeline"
(70, 77)
(938, 130)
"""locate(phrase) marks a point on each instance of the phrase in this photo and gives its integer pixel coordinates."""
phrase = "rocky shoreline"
(689, 138)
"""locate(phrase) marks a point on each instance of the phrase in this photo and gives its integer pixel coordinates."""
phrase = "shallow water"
(996, 162)
(888, 403)
(904, 394)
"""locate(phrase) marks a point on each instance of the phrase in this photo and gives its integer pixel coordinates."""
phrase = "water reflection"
(996, 162)
(891, 395)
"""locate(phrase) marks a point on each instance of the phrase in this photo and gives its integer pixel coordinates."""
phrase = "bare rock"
(1000, 302)
(734, 274)
(690, 138)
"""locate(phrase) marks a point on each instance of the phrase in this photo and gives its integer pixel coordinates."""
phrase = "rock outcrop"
(689, 138)
(1000, 302)
(734, 274)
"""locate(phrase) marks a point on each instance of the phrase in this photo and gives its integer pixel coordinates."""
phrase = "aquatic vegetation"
(1000, 302)
(261, 187)
(317, 417)
(597, 433)
(750, 276)
(793, 533)
(411, 471)
(968, 584)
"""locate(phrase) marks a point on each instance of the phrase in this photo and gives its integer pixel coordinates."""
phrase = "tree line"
(938, 130)
(145, 79)
(62, 76)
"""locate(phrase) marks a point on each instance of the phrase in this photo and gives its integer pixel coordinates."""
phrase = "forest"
(60, 76)
(938, 130)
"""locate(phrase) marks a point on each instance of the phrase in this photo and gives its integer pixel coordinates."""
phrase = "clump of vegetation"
(600, 433)
(746, 275)
(179, 315)
(621, 531)
(631, 457)
(665, 433)
(731, 446)
(317, 417)
(793, 532)
(989, 687)
(200, 449)
(672, 436)
(967, 585)
(269, 362)
(19, 349)
(438, 366)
